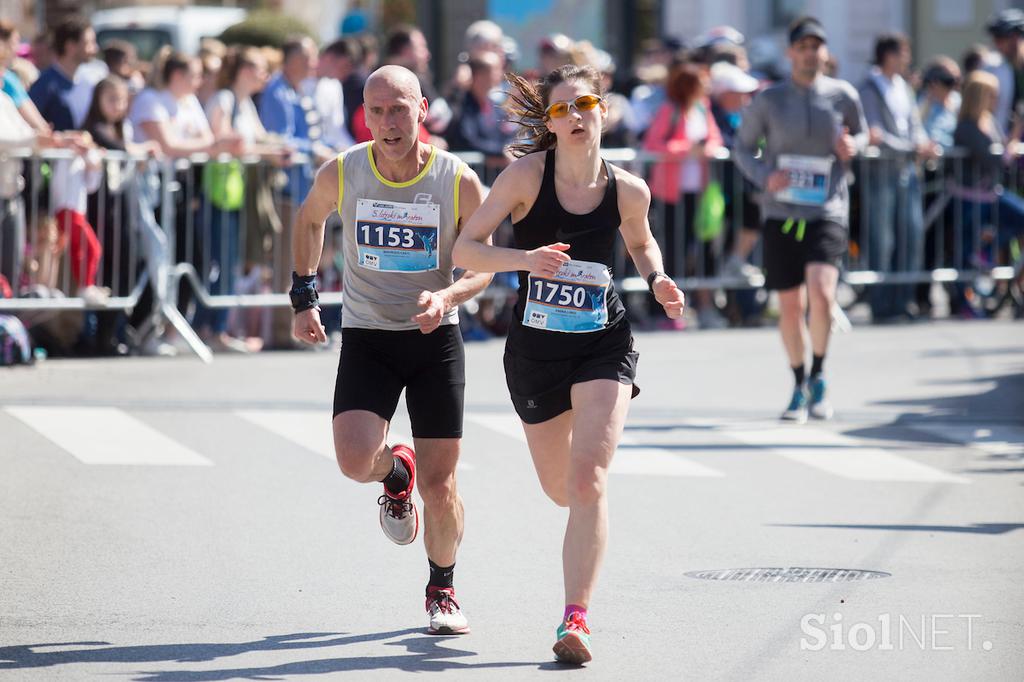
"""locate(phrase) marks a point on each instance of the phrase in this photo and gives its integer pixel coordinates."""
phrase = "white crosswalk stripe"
(503, 423)
(1001, 440)
(106, 435)
(311, 430)
(632, 459)
(841, 455)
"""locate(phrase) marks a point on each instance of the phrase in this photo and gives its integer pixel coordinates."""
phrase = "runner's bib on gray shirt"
(397, 238)
(800, 127)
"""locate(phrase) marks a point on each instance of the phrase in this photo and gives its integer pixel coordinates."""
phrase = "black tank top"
(591, 237)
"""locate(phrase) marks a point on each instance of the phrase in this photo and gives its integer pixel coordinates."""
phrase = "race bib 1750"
(808, 179)
(396, 237)
(571, 301)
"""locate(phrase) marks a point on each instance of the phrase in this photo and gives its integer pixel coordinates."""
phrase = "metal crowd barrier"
(170, 228)
(35, 257)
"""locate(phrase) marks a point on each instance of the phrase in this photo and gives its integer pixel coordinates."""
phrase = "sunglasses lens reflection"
(558, 109)
(581, 103)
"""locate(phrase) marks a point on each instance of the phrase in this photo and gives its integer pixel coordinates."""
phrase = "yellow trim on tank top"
(407, 183)
(458, 179)
(341, 180)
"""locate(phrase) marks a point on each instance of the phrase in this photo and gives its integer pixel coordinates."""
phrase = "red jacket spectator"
(668, 136)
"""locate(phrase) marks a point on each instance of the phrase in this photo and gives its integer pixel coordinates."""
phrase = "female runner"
(569, 358)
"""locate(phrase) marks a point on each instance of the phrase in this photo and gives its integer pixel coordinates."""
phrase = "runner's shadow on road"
(30, 656)
(424, 653)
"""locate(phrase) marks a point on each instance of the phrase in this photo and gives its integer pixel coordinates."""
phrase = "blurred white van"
(150, 28)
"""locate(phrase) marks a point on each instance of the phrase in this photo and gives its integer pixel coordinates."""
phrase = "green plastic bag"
(710, 216)
(224, 185)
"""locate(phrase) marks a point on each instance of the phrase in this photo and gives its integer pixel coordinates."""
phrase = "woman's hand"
(669, 296)
(546, 260)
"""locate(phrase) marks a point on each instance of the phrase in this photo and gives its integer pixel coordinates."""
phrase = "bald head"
(394, 108)
(395, 80)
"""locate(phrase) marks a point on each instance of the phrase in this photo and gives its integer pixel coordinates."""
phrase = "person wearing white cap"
(731, 90)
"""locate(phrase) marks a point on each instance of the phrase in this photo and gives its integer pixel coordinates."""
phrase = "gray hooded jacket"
(792, 119)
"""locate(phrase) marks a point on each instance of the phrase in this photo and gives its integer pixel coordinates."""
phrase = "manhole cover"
(788, 575)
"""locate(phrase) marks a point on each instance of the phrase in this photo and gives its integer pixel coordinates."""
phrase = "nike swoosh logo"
(561, 235)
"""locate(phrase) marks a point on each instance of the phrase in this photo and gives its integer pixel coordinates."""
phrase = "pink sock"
(570, 608)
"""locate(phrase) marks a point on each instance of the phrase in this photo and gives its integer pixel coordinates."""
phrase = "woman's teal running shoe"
(573, 645)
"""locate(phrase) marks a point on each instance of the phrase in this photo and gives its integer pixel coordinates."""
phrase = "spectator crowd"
(947, 133)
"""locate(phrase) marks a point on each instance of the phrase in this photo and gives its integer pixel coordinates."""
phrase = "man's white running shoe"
(820, 407)
(796, 412)
(399, 518)
(446, 618)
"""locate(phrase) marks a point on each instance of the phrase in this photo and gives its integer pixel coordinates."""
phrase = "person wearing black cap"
(1007, 31)
(812, 125)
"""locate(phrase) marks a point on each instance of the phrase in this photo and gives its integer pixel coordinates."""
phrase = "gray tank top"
(397, 238)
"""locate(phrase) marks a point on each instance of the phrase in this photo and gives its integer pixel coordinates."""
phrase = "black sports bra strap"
(548, 182)
(610, 194)
(611, 175)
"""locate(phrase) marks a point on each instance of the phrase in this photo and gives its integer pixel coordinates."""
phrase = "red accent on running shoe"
(576, 621)
(408, 457)
(570, 608)
(444, 596)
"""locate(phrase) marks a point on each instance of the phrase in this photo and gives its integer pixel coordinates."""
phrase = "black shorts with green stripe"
(791, 245)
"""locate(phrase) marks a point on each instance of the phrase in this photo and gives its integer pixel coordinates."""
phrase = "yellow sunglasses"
(581, 103)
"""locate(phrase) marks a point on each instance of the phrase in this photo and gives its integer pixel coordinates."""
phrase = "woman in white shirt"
(172, 116)
(231, 111)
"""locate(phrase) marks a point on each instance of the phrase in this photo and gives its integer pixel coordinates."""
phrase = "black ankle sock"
(398, 480)
(816, 363)
(799, 374)
(441, 576)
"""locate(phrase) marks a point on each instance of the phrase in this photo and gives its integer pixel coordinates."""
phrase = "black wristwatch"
(303, 293)
(653, 276)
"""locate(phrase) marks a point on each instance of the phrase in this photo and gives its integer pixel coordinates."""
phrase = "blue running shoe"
(797, 410)
(820, 407)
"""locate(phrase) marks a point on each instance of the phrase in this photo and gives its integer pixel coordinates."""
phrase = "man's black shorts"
(786, 258)
(376, 365)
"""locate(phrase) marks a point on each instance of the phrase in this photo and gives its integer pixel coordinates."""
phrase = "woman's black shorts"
(786, 258)
(541, 389)
(376, 365)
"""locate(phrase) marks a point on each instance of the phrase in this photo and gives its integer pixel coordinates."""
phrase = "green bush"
(265, 28)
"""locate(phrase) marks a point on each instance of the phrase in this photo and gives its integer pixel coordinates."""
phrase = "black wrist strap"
(302, 281)
(653, 276)
(303, 294)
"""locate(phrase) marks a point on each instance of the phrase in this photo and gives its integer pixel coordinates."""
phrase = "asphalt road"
(165, 520)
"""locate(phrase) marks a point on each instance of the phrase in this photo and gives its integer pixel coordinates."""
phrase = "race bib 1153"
(396, 237)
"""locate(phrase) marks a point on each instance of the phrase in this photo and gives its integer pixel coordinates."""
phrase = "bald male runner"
(402, 203)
